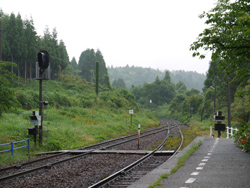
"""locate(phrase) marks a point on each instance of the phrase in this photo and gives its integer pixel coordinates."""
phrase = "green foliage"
(159, 92)
(184, 119)
(241, 105)
(192, 92)
(21, 45)
(242, 137)
(54, 145)
(167, 77)
(7, 95)
(181, 87)
(119, 83)
(70, 70)
(75, 115)
(28, 99)
(241, 113)
(107, 82)
(74, 63)
(227, 35)
(218, 79)
(87, 65)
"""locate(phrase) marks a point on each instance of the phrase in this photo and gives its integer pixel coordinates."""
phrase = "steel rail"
(136, 163)
(97, 144)
(182, 140)
(142, 136)
(42, 167)
(159, 129)
(31, 162)
(60, 161)
(129, 167)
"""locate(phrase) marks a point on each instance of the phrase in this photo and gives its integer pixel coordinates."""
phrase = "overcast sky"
(145, 33)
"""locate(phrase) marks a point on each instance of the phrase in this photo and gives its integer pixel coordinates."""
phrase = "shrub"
(54, 145)
(242, 137)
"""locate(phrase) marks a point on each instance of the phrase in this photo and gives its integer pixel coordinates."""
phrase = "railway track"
(49, 162)
(139, 168)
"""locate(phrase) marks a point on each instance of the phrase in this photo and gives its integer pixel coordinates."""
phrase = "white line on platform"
(202, 164)
(190, 180)
(199, 168)
(195, 173)
(204, 160)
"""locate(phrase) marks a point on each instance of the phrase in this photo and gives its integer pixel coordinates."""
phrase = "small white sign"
(131, 111)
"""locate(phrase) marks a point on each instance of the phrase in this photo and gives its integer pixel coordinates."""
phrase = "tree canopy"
(20, 45)
(87, 65)
(119, 83)
(228, 35)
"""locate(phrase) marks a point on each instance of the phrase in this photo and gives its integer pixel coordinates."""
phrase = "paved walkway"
(218, 163)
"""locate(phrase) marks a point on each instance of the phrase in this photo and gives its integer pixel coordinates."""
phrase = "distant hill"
(190, 78)
(139, 75)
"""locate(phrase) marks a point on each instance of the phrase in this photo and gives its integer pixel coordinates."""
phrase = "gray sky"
(146, 33)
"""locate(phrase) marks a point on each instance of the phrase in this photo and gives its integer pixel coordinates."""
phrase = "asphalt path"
(217, 163)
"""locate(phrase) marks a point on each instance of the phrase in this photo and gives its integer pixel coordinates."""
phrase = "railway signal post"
(219, 126)
(43, 63)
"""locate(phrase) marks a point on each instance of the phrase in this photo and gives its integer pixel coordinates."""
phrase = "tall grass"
(70, 128)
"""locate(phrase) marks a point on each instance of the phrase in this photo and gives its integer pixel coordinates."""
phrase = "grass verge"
(69, 128)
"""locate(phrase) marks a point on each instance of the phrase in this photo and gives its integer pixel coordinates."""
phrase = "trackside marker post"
(131, 113)
(139, 127)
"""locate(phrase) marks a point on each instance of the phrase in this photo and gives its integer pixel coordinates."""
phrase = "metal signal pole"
(43, 62)
(41, 106)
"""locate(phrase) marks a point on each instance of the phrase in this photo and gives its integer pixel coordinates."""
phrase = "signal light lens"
(43, 59)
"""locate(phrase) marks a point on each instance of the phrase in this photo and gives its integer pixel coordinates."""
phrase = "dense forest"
(20, 45)
(138, 76)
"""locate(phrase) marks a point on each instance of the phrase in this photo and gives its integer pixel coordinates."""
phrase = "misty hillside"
(139, 75)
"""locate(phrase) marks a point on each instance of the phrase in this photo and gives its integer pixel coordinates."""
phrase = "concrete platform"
(217, 163)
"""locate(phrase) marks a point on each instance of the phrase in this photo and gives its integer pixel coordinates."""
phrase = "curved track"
(137, 169)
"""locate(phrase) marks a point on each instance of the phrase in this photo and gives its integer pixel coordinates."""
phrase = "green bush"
(26, 99)
(54, 145)
(242, 137)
